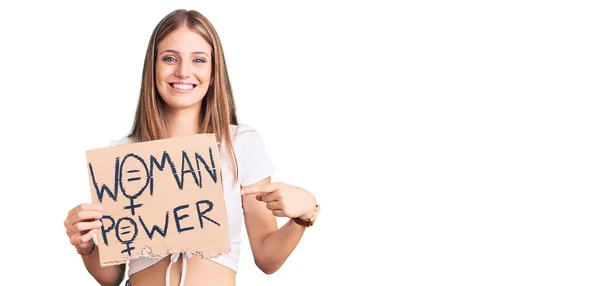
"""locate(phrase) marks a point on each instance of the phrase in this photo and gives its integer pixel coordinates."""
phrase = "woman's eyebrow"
(176, 52)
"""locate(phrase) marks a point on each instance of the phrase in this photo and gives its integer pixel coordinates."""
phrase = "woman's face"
(183, 69)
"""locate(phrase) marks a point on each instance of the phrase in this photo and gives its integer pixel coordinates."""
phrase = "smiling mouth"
(183, 86)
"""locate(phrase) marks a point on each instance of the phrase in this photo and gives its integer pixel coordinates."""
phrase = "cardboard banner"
(159, 197)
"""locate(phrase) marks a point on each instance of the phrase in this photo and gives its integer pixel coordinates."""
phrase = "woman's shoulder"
(241, 129)
(244, 134)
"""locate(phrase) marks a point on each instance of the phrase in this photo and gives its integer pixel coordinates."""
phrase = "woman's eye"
(169, 59)
(200, 60)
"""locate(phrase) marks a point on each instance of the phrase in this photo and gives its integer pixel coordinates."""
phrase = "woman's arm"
(264, 201)
(81, 224)
(105, 276)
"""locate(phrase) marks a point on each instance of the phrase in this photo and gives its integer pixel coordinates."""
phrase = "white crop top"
(254, 165)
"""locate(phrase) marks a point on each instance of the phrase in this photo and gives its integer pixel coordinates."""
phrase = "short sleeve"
(254, 162)
(121, 141)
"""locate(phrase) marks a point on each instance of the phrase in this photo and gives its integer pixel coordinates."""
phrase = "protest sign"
(159, 197)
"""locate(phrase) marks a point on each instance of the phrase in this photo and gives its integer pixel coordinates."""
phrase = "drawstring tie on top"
(174, 258)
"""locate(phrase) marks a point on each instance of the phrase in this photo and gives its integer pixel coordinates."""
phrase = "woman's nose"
(182, 71)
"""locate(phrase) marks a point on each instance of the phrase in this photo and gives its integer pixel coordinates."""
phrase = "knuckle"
(82, 207)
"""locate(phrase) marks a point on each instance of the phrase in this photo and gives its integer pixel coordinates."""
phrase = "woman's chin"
(182, 100)
(181, 103)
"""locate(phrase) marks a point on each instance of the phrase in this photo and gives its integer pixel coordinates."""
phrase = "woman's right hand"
(81, 224)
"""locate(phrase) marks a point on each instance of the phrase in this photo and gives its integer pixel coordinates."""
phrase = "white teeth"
(183, 86)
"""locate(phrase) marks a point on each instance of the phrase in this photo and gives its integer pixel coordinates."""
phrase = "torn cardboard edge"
(146, 252)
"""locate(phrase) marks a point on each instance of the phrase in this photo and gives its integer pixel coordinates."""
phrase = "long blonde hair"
(217, 110)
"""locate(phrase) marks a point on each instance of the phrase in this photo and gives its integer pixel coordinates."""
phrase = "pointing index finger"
(251, 190)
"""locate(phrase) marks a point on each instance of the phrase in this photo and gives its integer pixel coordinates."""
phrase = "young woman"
(186, 90)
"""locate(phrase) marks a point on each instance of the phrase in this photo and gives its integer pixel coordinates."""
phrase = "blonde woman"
(186, 90)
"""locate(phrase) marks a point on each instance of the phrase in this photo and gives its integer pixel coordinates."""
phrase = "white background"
(449, 142)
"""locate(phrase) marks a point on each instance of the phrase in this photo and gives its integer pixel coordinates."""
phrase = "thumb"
(259, 197)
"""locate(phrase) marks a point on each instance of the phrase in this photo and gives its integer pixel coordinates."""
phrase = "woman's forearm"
(105, 276)
(277, 247)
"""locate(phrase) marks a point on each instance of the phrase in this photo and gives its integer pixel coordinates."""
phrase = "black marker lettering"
(100, 192)
(201, 213)
(211, 171)
(190, 170)
(106, 230)
(178, 218)
(164, 159)
(125, 232)
(132, 197)
(127, 242)
(162, 233)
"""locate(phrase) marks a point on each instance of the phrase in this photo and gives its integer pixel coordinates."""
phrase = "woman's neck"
(183, 122)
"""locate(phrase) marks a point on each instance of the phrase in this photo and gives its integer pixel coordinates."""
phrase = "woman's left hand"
(285, 200)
